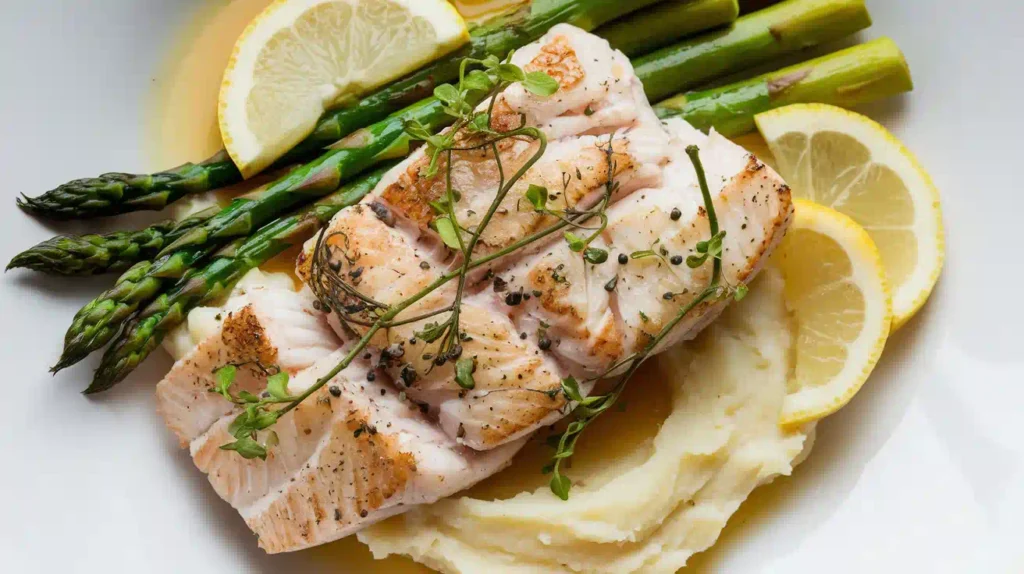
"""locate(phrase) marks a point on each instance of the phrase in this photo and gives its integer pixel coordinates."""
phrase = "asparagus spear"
(99, 321)
(96, 323)
(857, 75)
(657, 26)
(796, 23)
(94, 254)
(208, 284)
(753, 39)
(847, 78)
(116, 193)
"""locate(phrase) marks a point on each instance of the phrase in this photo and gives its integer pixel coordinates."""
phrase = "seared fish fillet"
(272, 327)
(516, 384)
(598, 122)
(599, 95)
(395, 428)
(352, 454)
(598, 314)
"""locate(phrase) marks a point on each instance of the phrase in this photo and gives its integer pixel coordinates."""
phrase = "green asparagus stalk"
(754, 39)
(861, 74)
(659, 25)
(95, 254)
(857, 75)
(144, 333)
(117, 193)
(101, 319)
(384, 140)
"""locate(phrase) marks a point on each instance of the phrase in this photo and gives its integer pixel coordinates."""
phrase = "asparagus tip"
(68, 358)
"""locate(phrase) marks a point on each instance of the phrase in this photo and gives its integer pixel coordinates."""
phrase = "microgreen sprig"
(590, 407)
(257, 414)
(472, 130)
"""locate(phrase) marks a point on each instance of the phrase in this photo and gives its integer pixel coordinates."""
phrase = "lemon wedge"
(300, 57)
(852, 164)
(837, 292)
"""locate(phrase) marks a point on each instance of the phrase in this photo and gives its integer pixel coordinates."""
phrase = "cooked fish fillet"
(354, 453)
(597, 314)
(597, 124)
(599, 94)
(396, 428)
(272, 327)
(516, 385)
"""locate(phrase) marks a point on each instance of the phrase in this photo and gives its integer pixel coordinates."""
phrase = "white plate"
(923, 472)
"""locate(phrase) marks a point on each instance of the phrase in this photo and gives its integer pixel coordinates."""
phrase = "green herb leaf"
(265, 419)
(447, 93)
(575, 243)
(464, 369)
(240, 427)
(225, 377)
(540, 84)
(595, 255)
(478, 81)
(571, 388)
(491, 62)
(417, 130)
(695, 261)
(248, 397)
(537, 196)
(248, 448)
(741, 292)
(560, 485)
(277, 385)
(642, 254)
(510, 73)
(481, 122)
(446, 230)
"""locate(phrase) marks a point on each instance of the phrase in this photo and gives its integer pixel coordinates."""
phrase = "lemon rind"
(242, 146)
(866, 350)
(910, 297)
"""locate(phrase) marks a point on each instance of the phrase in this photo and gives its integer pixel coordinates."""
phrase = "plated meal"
(509, 291)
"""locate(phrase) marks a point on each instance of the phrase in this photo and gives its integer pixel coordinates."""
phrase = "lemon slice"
(848, 162)
(837, 292)
(300, 57)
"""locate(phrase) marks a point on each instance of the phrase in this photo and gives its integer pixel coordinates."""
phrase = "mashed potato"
(650, 492)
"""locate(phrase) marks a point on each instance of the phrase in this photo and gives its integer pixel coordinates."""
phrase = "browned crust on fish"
(246, 339)
(558, 59)
(532, 407)
(242, 341)
(355, 474)
(755, 170)
(411, 193)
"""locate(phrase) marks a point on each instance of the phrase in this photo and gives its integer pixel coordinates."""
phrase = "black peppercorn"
(514, 298)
